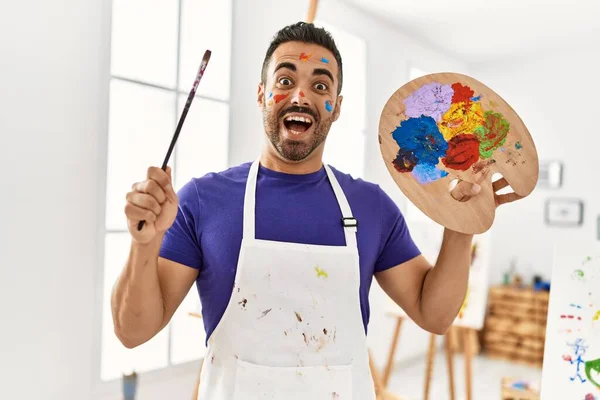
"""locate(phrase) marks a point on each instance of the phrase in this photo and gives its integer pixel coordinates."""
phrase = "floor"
(408, 380)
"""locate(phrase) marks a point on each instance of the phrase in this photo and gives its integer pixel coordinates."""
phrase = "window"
(345, 147)
(157, 47)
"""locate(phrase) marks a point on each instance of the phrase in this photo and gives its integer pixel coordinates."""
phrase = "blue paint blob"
(326, 61)
(427, 173)
(422, 137)
(502, 149)
(270, 94)
(476, 98)
(518, 146)
(328, 106)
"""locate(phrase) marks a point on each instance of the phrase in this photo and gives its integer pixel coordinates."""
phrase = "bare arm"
(149, 288)
(147, 293)
(432, 296)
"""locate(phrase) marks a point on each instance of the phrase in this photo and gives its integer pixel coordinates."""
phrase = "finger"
(160, 176)
(499, 184)
(507, 198)
(163, 178)
(136, 214)
(465, 190)
(151, 187)
(145, 201)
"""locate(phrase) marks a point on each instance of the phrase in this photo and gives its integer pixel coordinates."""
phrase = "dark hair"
(306, 33)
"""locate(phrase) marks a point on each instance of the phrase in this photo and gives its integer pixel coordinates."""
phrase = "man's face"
(299, 99)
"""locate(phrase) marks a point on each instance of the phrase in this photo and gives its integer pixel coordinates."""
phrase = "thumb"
(465, 190)
(170, 191)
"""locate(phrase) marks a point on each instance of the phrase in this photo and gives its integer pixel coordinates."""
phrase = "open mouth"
(297, 124)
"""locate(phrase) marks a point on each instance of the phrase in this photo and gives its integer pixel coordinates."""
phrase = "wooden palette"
(447, 126)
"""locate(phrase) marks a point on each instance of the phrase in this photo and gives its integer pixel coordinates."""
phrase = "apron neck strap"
(348, 222)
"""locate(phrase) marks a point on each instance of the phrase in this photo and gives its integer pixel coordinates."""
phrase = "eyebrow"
(287, 65)
(323, 71)
(316, 72)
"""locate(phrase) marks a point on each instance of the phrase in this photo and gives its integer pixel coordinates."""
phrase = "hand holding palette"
(448, 126)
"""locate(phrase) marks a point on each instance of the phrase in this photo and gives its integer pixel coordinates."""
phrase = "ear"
(338, 108)
(260, 100)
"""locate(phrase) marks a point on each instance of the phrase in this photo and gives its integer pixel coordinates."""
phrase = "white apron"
(293, 327)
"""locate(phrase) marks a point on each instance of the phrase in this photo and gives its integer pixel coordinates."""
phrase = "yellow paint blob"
(461, 118)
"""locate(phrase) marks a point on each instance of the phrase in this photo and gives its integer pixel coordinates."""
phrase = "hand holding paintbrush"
(154, 200)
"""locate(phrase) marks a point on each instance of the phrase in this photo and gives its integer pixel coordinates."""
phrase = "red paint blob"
(301, 93)
(463, 151)
(304, 57)
(279, 97)
(461, 93)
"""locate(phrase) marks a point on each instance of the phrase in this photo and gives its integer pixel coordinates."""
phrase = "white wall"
(53, 124)
(556, 95)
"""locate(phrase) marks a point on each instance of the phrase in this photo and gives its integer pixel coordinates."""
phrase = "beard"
(295, 150)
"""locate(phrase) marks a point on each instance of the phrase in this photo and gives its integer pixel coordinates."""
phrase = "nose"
(299, 98)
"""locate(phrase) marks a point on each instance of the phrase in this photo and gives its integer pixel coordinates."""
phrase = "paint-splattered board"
(571, 368)
(447, 126)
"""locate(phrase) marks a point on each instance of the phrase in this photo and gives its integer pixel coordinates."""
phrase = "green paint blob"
(592, 365)
(492, 133)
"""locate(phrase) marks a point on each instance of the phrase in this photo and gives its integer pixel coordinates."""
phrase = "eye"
(285, 81)
(321, 86)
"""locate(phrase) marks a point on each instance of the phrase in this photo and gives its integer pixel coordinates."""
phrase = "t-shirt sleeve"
(181, 241)
(398, 245)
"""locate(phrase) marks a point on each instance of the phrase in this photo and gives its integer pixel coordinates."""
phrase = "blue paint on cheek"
(328, 106)
(476, 98)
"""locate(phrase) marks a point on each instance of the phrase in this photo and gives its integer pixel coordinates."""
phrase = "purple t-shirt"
(207, 232)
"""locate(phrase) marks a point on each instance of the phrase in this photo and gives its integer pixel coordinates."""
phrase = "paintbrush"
(188, 103)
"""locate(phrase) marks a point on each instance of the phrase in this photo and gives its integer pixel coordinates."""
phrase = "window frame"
(110, 388)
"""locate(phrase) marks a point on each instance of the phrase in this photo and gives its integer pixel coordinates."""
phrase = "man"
(283, 250)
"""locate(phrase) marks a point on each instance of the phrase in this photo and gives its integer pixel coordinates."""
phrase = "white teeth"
(299, 119)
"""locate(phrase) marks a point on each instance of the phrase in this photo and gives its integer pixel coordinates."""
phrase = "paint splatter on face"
(304, 57)
(328, 106)
(324, 60)
(280, 97)
(518, 146)
(297, 130)
(446, 123)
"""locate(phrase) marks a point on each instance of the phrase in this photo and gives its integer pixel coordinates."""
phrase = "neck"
(276, 163)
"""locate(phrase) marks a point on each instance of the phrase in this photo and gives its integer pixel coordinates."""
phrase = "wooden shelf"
(515, 326)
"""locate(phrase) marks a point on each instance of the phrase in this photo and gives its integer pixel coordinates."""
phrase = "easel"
(468, 336)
